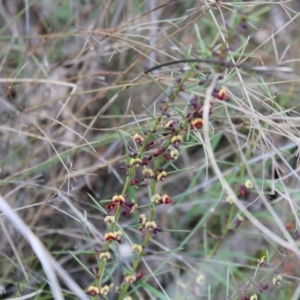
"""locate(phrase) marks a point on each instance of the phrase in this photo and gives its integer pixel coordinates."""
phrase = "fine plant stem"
(131, 173)
(153, 184)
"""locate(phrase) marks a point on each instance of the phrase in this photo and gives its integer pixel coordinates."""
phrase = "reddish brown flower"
(165, 199)
(118, 199)
(111, 206)
(197, 123)
(110, 236)
(158, 199)
(134, 181)
(158, 152)
(146, 160)
(128, 208)
(115, 202)
(244, 192)
(161, 176)
(167, 156)
(222, 94)
(139, 275)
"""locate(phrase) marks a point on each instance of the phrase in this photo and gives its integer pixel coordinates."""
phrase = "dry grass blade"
(49, 264)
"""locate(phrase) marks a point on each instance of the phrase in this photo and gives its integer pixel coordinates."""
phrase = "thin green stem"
(156, 168)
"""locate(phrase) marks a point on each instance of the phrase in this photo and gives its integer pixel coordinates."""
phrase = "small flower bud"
(277, 280)
(243, 191)
(253, 297)
(135, 162)
(156, 198)
(133, 207)
(138, 139)
(261, 260)
(150, 225)
(137, 248)
(167, 156)
(118, 199)
(237, 223)
(197, 123)
(161, 176)
(169, 124)
(230, 200)
(134, 181)
(118, 234)
(142, 219)
(222, 94)
(110, 236)
(93, 290)
(200, 279)
(176, 140)
(248, 184)
(158, 152)
(148, 173)
(146, 161)
(174, 154)
(104, 290)
(165, 199)
(130, 278)
(109, 219)
(104, 255)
